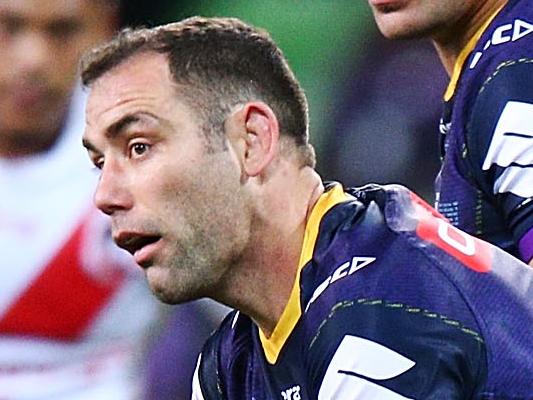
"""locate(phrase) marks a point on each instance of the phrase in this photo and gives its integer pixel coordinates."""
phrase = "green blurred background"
(374, 104)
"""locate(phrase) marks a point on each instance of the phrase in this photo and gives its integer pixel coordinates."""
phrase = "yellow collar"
(465, 52)
(293, 310)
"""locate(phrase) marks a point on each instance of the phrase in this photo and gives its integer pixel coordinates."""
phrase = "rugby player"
(200, 132)
(485, 185)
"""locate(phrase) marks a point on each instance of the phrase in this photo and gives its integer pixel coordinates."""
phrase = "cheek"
(189, 188)
(5, 56)
(168, 190)
(62, 70)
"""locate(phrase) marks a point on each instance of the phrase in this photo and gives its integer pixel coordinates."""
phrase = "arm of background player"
(500, 142)
(373, 349)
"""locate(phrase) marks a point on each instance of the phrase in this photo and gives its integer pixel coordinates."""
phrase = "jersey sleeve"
(205, 381)
(370, 349)
(500, 144)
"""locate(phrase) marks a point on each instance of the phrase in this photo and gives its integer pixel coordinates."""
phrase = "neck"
(263, 279)
(450, 41)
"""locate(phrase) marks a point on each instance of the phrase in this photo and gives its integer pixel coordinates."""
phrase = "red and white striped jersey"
(74, 311)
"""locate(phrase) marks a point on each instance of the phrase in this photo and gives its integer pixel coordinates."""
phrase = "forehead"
(39, 11)
(141, 83)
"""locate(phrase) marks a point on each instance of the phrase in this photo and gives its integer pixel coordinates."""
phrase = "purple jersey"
(485, 186)
(390, 302)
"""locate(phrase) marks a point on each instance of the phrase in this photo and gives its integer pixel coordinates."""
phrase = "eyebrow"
(119, 127)
(88, 145)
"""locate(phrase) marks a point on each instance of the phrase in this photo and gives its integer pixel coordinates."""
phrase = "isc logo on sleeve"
(503, 34)
(345, 269)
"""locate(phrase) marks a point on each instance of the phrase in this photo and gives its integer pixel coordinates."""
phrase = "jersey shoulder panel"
(377, 252)
(508, 38)
(377, 285)
(402, 262)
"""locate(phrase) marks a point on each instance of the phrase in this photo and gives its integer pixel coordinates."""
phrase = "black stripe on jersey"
(516, 134)
(515, 164)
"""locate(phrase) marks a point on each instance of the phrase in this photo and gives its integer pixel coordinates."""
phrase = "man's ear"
(260, 130)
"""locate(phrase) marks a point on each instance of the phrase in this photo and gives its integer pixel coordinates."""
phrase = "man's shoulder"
(233, 333)
(412, 272)
(401, 250)
(386, 251)
(224, 356)
(507, 40)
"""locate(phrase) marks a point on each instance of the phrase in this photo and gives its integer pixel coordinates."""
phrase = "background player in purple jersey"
(200, 132)
(485, 185)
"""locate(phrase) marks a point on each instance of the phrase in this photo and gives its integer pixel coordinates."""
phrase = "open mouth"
(132, 243)
(387, 6)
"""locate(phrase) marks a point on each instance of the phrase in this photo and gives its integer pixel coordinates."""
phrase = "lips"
(387, 5)
(140, 245)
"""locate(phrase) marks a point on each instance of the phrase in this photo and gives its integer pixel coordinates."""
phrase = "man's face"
(399, 19)
(40, 45)
(177, 207)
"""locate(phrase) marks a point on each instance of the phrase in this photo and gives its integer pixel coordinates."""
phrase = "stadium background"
(374, 104)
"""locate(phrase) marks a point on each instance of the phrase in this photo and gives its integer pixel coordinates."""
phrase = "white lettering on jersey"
(512, 148)
(503, 34)
(348, 268)
(499, 36)
(521, 29)
(456, 238)
(475, 58)
(292, 393)
(355, 359)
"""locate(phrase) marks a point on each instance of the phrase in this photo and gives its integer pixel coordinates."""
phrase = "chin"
(172, 295)
(394, 32)
(164, 297)
(167, 296)
(399, 25)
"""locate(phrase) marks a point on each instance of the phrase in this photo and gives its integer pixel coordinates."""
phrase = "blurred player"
(200, 132)
(485, 185)
(67, 331)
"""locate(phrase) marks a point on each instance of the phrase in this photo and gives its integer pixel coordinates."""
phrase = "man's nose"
(112, 193)
(32, 51)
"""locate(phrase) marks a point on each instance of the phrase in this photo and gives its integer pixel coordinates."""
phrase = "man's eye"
(63, 29)
(11, 25)
(98, 164)
(138, 149)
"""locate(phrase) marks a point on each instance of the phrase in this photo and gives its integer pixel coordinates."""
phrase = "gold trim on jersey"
(293, 310)
(461, 58)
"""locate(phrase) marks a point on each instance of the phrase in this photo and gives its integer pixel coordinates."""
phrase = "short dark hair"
(222, 62)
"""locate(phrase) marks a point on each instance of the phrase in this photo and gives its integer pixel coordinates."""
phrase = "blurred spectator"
(387, 107)
(64, 286)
